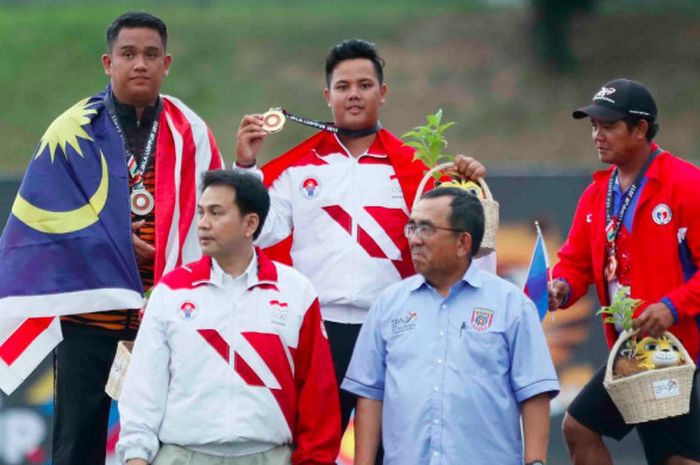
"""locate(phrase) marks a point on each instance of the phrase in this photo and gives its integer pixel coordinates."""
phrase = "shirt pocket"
(483, 353)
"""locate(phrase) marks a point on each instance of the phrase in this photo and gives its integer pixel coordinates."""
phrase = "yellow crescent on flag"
(56, 222)
(64, 132)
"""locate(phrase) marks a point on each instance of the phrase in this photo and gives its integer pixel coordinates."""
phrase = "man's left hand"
(468, 167)
(655, 320)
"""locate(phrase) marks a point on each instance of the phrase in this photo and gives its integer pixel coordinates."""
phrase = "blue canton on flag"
(536, 283)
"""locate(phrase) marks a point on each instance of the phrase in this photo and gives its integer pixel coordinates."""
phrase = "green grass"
(475, 62)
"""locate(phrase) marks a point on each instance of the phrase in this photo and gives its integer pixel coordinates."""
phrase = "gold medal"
(610, 268)
(273, 120)
(141, 202)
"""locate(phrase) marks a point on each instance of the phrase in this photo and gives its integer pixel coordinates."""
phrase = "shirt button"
(439, 360)
(443, 306)
(436, 421)
(442, 333)
(435, 453)
(436, 389)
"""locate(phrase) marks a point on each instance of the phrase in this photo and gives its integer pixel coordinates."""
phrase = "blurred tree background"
(508, 71)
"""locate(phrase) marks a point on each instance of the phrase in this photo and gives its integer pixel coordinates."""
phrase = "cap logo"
(640, 112)
(603, 94)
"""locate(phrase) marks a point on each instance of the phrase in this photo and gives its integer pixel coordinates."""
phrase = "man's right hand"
(143, 250)
(136, 462)
(558, 291)
(249, 139)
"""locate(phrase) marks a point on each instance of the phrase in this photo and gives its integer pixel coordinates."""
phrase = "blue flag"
(536, 283)
(66, 247)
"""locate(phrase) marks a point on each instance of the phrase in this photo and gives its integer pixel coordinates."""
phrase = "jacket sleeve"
(278, 224)
(142, 401)
(686, 298)
(575, 265)
(317, 426)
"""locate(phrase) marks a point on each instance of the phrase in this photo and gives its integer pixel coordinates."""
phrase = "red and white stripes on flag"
(185, 149)
(25, 343)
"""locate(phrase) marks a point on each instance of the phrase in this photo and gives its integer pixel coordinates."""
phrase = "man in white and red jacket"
(340, 201)
(232, 358)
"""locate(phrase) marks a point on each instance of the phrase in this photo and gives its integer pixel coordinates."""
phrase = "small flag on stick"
(536, 283)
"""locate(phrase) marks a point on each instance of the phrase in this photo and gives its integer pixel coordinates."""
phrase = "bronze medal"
(610, 268)
(141, 202)
(273, 120)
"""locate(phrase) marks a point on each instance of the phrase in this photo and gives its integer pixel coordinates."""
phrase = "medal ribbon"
(613, 225)
(136, 171)
(330, 127)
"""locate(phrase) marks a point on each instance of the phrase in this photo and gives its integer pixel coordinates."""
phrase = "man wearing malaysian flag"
(106, 207)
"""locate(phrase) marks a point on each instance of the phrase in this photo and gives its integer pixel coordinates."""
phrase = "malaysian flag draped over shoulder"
(536, 283)
(66, 247)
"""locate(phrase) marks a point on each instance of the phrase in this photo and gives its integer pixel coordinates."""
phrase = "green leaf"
(621, 309)
(429, 140)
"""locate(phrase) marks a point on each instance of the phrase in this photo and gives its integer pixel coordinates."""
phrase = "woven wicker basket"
(491, 207)
(118, 371)
(654, 394)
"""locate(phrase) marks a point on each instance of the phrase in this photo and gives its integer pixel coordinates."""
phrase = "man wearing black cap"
(636, 225)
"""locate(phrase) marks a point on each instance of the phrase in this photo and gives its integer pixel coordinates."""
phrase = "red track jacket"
(665, 254)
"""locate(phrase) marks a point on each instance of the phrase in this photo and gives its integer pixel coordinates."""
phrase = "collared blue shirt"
(452, 371)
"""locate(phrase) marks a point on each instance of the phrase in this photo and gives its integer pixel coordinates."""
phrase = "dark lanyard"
(330, 127)
(613, 225)
(135, 171)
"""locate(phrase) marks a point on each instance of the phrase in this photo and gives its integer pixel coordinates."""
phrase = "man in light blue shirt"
(449, 359)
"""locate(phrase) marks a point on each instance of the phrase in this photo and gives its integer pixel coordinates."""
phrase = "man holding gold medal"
(636, 225)
(341, 199)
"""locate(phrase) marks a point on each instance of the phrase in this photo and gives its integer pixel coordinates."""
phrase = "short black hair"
(136, 19)
(350, 49)
(633, 121)
(251, 195)
(466, 213)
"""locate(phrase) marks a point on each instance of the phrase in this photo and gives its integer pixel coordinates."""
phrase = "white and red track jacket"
(346, 216)
(230, 376)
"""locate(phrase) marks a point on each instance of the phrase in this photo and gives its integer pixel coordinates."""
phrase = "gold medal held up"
(273, 120)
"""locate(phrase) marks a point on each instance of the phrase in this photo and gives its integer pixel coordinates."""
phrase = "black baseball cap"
(618, 99)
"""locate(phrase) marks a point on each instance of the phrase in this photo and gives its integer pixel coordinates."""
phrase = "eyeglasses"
(424, 231)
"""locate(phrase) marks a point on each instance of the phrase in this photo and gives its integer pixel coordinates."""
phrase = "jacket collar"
(266, 276)
(472, 277)
(652, 172)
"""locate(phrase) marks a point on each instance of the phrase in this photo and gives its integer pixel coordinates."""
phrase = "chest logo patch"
(404, 323)
(310, 187)
(661, 214)
(188, 310)
(481, 319)
(279, 312)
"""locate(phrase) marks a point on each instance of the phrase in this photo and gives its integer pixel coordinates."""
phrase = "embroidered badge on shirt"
(661, 214)
(481, 319)
(402, 324)
(279, 312)
(188, 310)
(310, 187)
